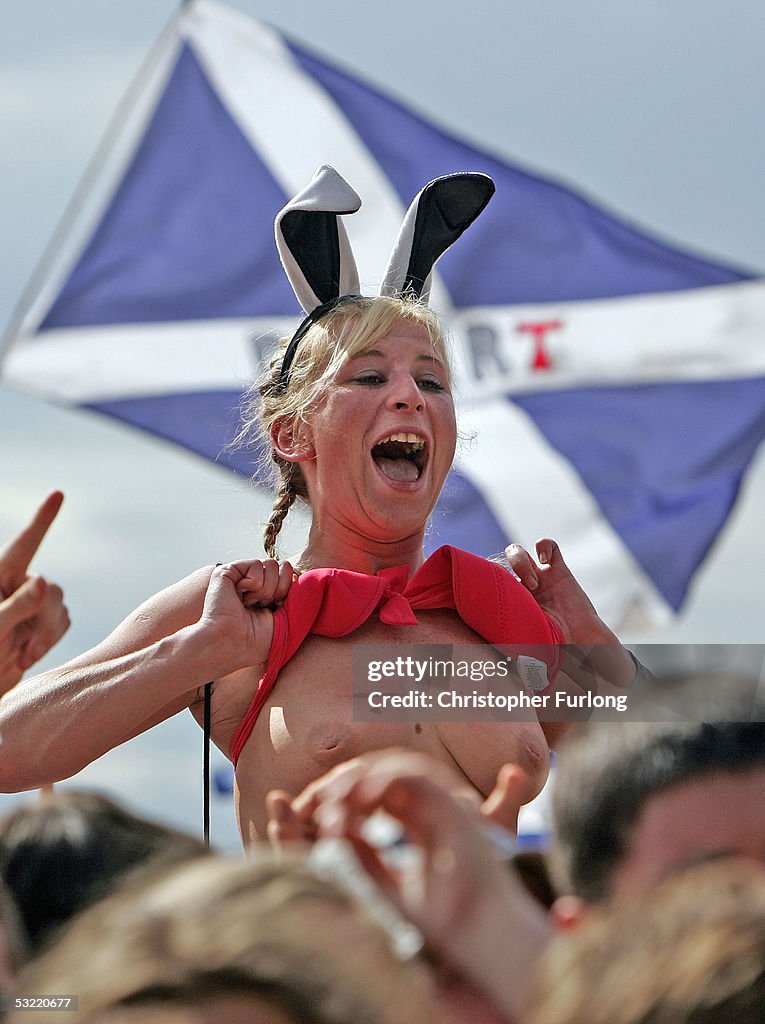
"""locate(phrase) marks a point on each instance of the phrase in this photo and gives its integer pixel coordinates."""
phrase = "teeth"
(413, 439)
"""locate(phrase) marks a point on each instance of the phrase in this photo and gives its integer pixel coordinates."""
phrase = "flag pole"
(72, 210)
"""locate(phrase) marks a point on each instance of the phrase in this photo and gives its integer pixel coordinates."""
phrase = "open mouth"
(400, 456)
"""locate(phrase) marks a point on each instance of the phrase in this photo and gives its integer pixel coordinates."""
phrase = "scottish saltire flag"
(613, 387)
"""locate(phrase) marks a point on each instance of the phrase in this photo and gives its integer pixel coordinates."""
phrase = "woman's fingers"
(523, 565)
(264, 583)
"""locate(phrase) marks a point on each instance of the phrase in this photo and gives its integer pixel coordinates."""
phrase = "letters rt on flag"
(614, 386)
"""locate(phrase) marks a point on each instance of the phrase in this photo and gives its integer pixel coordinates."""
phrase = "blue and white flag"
(614, 387)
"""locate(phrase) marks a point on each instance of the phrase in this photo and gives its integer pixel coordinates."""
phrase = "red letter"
(541, 358)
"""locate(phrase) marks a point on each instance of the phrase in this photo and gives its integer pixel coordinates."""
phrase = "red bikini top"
(335, 602)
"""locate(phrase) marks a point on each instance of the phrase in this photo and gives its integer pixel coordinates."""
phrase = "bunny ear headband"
(316, 254)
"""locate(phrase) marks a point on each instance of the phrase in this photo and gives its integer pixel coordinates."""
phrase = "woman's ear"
(292, 441)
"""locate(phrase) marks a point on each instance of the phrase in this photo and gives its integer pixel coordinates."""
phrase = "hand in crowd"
(239, 606)
(291, 819)
(469, 906)
(33, 616)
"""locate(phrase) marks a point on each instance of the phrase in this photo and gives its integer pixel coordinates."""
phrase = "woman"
(359, 411)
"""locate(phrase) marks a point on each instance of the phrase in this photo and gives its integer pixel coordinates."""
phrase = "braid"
(285, 498)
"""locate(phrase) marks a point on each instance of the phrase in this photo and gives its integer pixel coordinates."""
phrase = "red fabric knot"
(395, 610)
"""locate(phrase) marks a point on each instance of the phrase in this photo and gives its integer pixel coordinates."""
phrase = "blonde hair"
(223, 925)
(692, 952)
(328, 344)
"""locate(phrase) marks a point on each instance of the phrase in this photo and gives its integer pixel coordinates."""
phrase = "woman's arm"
(149, 668)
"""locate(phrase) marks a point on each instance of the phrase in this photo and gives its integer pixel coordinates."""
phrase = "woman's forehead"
(420, 354)
(404, 338)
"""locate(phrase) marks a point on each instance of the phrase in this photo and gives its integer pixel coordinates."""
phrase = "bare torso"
(307, 726)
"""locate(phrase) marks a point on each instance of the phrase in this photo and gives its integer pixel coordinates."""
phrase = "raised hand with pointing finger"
(33, 616)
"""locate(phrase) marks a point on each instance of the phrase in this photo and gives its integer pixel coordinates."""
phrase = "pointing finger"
(15, 559)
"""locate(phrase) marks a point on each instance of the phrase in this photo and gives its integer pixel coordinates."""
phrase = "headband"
(317, 257)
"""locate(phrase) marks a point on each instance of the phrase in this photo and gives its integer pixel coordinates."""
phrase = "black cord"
(206, 766)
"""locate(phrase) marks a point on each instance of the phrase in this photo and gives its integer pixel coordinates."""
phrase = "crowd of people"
(659, 915)
(380, 882)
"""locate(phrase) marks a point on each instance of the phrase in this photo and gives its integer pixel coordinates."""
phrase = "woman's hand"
(468, 905)
(557, 591)
(239, 606)
(593, 650)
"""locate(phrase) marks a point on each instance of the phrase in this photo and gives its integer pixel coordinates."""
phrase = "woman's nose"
(406, 394)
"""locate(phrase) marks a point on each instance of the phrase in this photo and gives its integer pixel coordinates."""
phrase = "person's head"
(69, 848)
(413, 454)
(632, 802)
(221, 931)
(313, 437)
(691, 951)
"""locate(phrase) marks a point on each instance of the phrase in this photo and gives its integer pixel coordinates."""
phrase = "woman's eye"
(369, 378)
(430, 384)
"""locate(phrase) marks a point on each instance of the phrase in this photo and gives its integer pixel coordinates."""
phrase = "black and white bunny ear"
(435, 220)
(312, 242)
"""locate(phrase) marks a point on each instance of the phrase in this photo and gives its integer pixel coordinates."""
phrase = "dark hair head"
(70, 848)
(606, 774)
(14, 951)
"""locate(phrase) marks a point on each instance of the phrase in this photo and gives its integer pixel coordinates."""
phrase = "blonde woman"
(359, 411)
